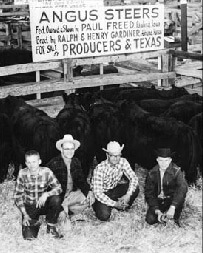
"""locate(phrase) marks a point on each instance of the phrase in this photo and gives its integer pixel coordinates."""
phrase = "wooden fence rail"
(9, 10)
(163, 72)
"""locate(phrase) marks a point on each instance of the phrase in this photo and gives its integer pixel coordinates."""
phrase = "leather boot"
(53, 231)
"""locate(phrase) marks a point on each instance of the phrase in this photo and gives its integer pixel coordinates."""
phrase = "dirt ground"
(125, 232)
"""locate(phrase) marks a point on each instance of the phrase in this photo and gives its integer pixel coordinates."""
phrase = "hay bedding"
(127, 231)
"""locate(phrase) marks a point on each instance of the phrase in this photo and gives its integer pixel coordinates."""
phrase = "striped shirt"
(30, 188)
(107, 176)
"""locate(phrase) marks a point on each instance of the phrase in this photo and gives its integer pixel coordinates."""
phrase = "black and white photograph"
(101, 142)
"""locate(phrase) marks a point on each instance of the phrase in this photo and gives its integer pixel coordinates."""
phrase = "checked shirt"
(107, 176)
(30, 188)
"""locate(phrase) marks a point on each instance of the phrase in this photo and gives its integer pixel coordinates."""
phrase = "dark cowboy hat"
(164, 152)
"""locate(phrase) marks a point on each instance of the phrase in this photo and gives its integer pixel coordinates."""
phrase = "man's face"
(68, 150)
(113, 159)
(33, 162)
(164, 162)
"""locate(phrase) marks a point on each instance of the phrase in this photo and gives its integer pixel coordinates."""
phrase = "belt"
(164, 197)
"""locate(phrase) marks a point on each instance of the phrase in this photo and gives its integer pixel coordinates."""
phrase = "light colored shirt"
(69, 179)
(107, 177)
(161, 195)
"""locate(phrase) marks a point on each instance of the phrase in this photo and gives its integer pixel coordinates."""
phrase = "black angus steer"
(33, 128)
(106, 125)
(93, 70)
(6, 145)
(144, 133)
(183, 110)
(160, 106)
(140, 93)
(74, 120)
(196, 124)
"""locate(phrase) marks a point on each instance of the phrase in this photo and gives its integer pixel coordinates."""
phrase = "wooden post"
(172, 63)
(192, 33)
(19, 35)
(159, 68)
(164, 65)
(65, 69)
(101, 72)
(183, 25)
(8, 33)
(68, 73)
(38, 95)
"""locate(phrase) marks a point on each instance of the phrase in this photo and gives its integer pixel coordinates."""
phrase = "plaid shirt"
(29, 188)
(107, 177)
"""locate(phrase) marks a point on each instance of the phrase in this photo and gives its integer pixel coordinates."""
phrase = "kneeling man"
(108, 184)
(165, 189)
(76, 195)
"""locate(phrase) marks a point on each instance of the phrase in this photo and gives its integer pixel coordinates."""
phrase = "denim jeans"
(102, 211)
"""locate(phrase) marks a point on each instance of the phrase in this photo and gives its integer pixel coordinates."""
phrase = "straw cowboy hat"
(114, 148)
(67, 138)
(164, 152)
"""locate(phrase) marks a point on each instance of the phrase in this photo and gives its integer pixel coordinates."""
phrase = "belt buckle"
(161, 196)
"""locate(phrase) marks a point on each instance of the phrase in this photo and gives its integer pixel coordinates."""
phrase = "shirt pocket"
(42, 187)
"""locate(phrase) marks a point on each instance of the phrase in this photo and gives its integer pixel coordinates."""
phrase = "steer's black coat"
(183, 110)
(94, 121)
(144, 133)
(74, 120)
(32, 128)
(6, 145)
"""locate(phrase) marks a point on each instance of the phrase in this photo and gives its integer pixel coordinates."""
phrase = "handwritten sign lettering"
(61, 3)
(59, 33)
(21, 2)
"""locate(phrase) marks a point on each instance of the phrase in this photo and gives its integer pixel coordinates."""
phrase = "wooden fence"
(164, 71)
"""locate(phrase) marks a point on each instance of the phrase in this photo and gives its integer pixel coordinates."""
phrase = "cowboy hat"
(67, 138)
(114, 148)
(164, 152)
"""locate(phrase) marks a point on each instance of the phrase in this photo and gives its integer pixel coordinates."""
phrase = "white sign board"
(59, 33)
(61, 3)
(21, 2)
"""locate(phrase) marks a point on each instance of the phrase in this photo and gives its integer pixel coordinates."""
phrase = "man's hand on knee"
(170, 213)
(62, 216)
(120, 205)
(159, 214)
(90, 198)
(42, 200)
(125, 199)
(26, 220)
